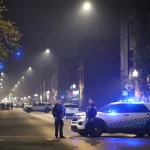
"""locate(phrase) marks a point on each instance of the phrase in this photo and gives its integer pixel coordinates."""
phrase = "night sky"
(59, 25)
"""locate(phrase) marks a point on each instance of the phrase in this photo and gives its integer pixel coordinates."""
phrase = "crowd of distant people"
(6, 106)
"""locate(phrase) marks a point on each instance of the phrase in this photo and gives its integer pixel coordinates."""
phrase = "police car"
(118, 117)
(71, 109)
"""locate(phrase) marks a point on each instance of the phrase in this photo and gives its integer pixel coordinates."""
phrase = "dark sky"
(59, 25)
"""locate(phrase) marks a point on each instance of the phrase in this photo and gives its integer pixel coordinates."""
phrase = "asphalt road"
(35, 131)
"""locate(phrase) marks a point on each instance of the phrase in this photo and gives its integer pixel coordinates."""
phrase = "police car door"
(136, 116)
(113, 115)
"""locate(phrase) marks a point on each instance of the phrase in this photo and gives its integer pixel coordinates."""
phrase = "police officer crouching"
(90, 116)
(59, 114)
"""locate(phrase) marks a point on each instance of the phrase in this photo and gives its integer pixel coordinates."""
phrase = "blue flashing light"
(1, 66)
(18, 53)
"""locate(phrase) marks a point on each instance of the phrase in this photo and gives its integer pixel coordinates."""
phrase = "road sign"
(129, 86)
(70, 94)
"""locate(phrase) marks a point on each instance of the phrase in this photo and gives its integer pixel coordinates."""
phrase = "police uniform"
(90, 115)
(59, 113)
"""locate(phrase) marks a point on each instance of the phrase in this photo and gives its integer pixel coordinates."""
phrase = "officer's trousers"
(59, 123)
(90, 127)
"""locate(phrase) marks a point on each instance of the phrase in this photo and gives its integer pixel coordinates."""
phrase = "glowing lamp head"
(87, 6)
(135, 73)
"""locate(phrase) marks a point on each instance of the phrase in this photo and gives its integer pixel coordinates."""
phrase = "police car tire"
(47, 110)
(140, 134)
(29, 110)
(148, 130)
(98, 131)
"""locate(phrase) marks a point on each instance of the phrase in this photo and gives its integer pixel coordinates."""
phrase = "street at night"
(35, 131)
(86, 59)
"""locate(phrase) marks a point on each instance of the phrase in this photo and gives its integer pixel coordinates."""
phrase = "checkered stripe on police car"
(130, 121)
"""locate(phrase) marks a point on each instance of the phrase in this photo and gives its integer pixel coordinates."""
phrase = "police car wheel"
(140, 134)
(47, 110)
(148, 131)
(29, 110)
(98, 131)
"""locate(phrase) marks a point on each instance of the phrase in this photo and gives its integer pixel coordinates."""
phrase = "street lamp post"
(135, 75)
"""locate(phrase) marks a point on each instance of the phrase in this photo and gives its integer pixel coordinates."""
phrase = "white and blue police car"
(117, 117)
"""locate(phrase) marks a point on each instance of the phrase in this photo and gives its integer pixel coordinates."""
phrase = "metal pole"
(128, 19)
(45, 83)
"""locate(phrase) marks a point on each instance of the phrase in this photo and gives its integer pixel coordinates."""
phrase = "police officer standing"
(90, 116)
(59, 114)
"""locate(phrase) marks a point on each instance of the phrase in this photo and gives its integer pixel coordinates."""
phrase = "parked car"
(71, 109)
(42, 107)
(118, 117)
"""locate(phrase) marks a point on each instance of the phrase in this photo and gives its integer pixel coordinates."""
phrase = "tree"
(9, 34)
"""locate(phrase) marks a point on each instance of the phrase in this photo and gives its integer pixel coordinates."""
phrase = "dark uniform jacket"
(91, 112)
(59, 111)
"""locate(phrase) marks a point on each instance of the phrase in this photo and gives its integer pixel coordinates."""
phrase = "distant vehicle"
(118, 117)
(71, 109)
(26, 104)
(42, 107)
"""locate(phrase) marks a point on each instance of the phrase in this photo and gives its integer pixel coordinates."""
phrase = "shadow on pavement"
(92, 142)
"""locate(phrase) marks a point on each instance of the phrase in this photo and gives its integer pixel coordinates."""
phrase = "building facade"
(98, 71)
(57, 79)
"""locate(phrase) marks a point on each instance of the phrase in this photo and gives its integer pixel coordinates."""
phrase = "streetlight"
(73, 86)
(1, 79)
(25, 98)
(18, 82)
(47, 51)
(30, 68)
(1, 87)
(48, 92)
(2, 73)
(28, 96)
(16, 85)
(87, 6)
(22, 77)
(135, 73)
(36, 95)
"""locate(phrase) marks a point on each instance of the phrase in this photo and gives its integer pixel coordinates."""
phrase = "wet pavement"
(35, 131)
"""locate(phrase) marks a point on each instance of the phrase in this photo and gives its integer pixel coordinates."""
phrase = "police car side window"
(137, 108)
(117, 108)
